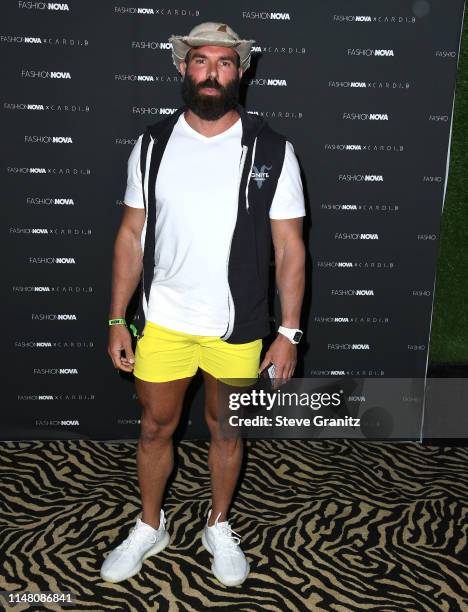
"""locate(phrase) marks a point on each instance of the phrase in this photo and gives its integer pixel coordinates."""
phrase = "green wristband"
(117, 322)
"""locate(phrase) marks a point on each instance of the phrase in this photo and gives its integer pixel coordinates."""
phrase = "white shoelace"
(131, 538)
(230, 537)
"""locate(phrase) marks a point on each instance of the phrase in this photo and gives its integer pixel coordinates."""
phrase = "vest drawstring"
(249, 176)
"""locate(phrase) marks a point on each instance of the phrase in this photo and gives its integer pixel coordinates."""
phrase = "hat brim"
(181, 45)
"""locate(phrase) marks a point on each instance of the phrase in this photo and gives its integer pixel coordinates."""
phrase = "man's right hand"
(121, 340)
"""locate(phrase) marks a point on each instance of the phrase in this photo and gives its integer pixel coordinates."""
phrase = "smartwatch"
(293, 335)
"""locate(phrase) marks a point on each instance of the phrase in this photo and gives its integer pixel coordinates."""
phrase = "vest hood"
(251, 124)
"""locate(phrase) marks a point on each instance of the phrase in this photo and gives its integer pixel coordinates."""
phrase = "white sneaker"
(229, 563)
(142, 542)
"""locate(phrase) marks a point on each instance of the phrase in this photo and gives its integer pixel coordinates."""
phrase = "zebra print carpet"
(326, 525)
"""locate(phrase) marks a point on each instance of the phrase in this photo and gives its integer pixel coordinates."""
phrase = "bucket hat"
(210, 33)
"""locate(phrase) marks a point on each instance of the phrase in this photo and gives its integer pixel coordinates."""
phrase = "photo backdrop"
(365, 93)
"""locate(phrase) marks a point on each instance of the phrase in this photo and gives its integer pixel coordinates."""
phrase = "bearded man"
(209, 189)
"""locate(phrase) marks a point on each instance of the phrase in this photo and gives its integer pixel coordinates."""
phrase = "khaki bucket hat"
(210, 33)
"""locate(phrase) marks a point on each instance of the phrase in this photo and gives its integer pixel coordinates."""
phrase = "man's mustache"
(210, 83)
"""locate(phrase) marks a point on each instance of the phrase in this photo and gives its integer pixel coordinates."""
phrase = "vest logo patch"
(259, 176)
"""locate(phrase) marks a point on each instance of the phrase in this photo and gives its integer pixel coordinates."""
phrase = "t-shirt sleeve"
(288, 201)
(133, 193)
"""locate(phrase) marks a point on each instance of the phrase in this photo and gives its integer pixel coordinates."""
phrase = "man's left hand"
(283, 354)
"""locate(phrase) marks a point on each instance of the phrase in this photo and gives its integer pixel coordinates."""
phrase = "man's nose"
(212, 71)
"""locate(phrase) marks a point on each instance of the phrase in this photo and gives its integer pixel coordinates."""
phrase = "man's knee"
(153, 430)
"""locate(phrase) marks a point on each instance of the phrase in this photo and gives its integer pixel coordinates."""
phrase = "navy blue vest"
(248, 262)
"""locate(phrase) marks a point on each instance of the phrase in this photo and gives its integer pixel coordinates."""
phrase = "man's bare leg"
(162, 406)
(224, 455)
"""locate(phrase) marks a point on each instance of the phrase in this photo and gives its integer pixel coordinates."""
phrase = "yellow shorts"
(163, 354)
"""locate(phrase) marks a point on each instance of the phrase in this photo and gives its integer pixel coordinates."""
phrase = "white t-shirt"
(196, 209)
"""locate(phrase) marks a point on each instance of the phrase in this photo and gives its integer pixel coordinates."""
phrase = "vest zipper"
(231, 309)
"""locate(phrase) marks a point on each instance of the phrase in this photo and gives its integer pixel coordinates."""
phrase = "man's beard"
(210, 106)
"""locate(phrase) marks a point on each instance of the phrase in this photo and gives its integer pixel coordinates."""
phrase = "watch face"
(297, 336)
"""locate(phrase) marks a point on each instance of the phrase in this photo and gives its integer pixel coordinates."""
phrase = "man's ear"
(241, 72)
(182, 68)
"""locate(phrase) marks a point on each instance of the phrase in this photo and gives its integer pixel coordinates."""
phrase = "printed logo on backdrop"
(363, 207)
(365, 116)
(352, 292)
(49, 316)
(348, 372)
(125, 141)
(55, 108)
(45, 74)
(353, 319)
(148, 78)
(430, 237)
(153, 45)
(368, 148)
(445, 54)
(356, 265)
(152, 110)
(50, 201)
(360, 178)
(33, 139)
(257, 49)
(421, 293)
(45, 6)
(76, 232)
(355, 346)
(387, 85)
(60, 344)
(40, 40)
(156, 12)
(267, 15)
(269, 82)
(74, 397)
(53, 171)
(277, 114)
(57, 289)
(51, 260)
(55, 423)
(387, 19)
(370, 52)
(55, 371)
(355, 236)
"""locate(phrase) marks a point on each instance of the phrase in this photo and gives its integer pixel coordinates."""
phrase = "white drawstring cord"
(250, 176)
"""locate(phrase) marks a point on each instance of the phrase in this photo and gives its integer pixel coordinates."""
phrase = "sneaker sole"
(157, 548)
(236, 582)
